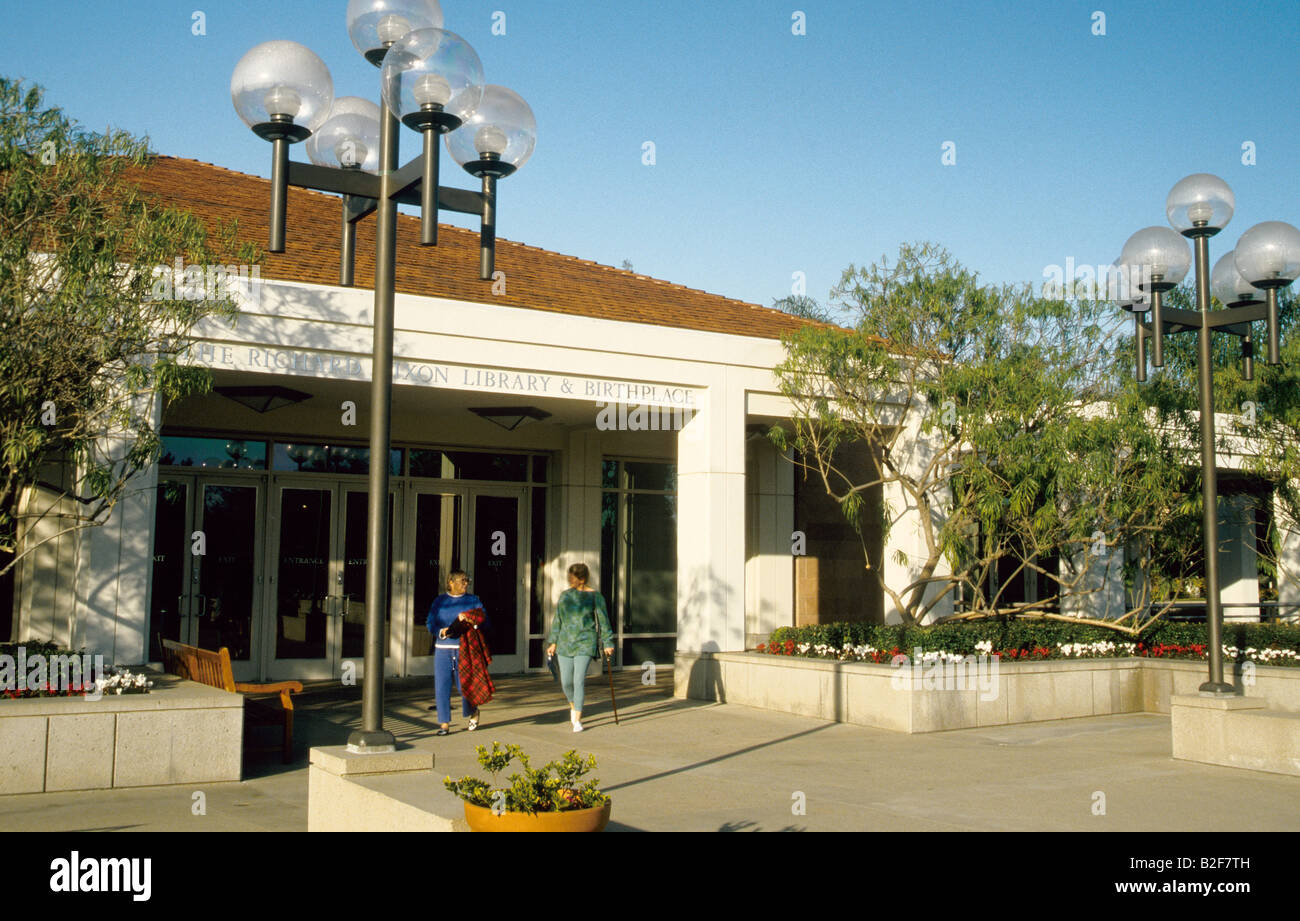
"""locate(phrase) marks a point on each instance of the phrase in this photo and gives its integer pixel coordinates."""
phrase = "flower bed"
(38, 669)
(940, 691)
(1262, 644)
(119, 681)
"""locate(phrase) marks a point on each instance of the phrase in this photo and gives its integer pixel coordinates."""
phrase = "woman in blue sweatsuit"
(446, 609)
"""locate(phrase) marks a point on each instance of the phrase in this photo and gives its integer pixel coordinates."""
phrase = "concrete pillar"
(769, 566)
(905, 550)
(1097, 580)
(577, 526)
(115, 565)
(1288, 570)
(114, 576)
(1238, 569)
(711, 525)
(45, 578)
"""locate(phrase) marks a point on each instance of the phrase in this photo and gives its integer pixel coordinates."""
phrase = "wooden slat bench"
(214, 670)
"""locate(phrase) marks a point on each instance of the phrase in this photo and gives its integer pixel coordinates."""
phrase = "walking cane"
(609, 667)
(609, 670)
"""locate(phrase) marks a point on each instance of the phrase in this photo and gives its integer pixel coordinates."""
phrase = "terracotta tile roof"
(536, 279)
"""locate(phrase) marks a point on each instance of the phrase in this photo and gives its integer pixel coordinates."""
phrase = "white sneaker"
(577, 726)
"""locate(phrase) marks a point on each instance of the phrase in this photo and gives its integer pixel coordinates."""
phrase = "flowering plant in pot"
(553, 797)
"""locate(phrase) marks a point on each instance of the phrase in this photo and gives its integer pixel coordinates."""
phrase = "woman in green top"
(573, 637)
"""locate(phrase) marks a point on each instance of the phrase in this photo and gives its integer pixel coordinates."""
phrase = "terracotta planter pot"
(594, 819)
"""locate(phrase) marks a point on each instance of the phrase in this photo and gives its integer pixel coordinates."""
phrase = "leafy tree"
(801, 305)
(90, 339)
(1259, 420)
(1000, 422)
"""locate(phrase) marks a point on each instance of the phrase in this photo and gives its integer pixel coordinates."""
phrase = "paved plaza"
(678, 765)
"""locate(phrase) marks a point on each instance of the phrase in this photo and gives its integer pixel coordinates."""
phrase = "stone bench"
(1236, 732)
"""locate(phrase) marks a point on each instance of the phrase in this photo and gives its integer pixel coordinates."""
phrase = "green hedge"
(36, 647)
(1019, 633)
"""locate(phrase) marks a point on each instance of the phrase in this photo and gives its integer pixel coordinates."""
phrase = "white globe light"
(373, 25)
(433, 66)
(512, 136)
(285, 79)
(1268, 254)
(1227, 284)
(350, 136)
(1156, 254)
(1200, 200)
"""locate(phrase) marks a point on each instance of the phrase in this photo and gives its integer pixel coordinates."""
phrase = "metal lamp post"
(432, 81)
(1155, 260)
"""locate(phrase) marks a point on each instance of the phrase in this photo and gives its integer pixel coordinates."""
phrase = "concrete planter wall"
(181, 732)
(1023, 692)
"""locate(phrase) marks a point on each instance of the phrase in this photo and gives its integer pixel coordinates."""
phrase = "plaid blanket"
(475, 682)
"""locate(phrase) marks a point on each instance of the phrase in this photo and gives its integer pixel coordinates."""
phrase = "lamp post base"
(1216, 689)
(379, 742)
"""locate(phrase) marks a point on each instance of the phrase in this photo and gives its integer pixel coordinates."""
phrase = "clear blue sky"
(775, 152)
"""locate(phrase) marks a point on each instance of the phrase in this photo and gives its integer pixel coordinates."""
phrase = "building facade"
(563, 412)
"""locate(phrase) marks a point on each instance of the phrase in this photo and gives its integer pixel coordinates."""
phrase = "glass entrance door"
(479, 530)
(169, 596)
(497, 568)
(207, 573)
(228, 515)
(352, 539)
(436, 536)
(319, 584)
(302, 580)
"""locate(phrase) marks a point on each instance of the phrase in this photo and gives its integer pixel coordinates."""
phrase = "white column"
(1238, 569)
(769, 569)
(45, 578)
(577, 531)
(711, 525)
(115, 564)
(905, 548)
(114, 575)
(1288, 570)
(1099, 590)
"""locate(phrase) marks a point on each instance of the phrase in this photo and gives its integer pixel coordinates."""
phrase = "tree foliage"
(87, 348)
(1258, 428)
(1001, 423)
